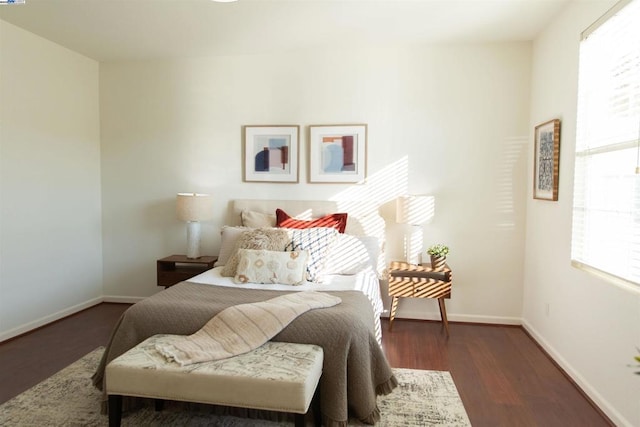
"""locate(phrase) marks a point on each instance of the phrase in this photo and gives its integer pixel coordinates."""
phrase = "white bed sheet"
(366, 281)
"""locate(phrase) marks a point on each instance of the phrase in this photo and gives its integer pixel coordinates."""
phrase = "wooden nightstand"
(176, 268)
(419, 281)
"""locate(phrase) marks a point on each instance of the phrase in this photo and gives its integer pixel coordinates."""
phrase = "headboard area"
(363, 220)
(363, 216)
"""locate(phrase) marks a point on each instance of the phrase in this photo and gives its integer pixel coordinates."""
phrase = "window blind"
(606, 206)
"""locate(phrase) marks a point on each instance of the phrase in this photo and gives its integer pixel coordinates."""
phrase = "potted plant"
(438, 254)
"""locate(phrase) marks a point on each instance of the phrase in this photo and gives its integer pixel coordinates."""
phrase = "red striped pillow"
(336, 220)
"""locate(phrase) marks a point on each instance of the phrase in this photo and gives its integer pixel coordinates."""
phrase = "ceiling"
(113, 30)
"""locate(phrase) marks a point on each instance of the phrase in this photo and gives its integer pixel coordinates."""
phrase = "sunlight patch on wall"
(377, 189)
(365, 199)
(505, 203)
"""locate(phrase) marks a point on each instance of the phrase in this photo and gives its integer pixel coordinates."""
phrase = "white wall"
(450, 120)
(590, 326)
(50, 211)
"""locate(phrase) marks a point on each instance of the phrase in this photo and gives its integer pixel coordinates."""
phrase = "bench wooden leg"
(115, 410)
(314, 408)
(299, 420)
(315, 404)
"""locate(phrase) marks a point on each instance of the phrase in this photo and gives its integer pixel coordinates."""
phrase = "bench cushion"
(277, 376)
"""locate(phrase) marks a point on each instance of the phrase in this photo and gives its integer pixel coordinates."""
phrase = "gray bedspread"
(355, 369)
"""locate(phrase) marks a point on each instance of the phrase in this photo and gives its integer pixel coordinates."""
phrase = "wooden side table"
(419, 281)
(176, 268)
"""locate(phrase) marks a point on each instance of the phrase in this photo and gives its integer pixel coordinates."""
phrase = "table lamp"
(193, 208)
(414, 210)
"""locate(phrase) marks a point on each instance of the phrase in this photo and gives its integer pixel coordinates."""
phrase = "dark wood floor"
(504, 379)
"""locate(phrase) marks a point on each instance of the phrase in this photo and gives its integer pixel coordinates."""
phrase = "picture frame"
(271, 153)
(337, 153)
(546, 169)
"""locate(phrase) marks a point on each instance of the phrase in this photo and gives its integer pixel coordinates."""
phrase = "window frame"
(583, 154)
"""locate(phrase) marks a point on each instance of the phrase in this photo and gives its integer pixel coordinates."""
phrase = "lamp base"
(413, 245)
(193, 239)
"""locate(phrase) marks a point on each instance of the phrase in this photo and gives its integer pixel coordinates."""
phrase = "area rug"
(423, 398)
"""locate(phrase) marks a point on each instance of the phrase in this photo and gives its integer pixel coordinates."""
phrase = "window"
(606, 206)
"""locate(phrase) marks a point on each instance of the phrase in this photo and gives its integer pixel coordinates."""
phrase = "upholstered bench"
(277, 376)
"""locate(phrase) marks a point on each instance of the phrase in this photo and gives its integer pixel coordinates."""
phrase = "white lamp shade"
(194, 207)
(415, 209)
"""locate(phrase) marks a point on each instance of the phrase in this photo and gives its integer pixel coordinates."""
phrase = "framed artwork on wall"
(547, 160)
(337, 153)
(271, 153)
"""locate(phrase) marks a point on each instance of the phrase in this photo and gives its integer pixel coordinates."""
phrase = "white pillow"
(317, 241)
(262, 266)
(229, 237)
(351, 254)
(255, 219)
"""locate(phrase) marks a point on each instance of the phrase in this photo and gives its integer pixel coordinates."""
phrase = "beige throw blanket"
(242, 328)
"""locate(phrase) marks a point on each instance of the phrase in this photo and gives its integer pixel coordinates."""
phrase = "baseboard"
(467, 318)
(587, 389)
(22, 329)
(28, 327)
(121, 299)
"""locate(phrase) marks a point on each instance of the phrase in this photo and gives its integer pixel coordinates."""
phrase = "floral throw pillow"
(263, 266)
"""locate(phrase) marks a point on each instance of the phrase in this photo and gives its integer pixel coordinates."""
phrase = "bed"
(355, 369)
(364, 281)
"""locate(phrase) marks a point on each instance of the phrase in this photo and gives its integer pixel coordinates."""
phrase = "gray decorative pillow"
(271, 239)
(261, 266)
(229, 238)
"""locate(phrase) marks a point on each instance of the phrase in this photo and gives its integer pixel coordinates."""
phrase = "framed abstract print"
(547, 160)
(271, 153)
(337, 153)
